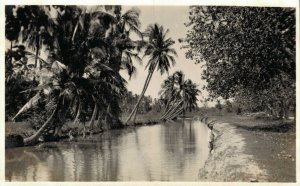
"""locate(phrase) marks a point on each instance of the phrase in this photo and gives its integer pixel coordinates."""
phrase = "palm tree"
(170, 89)
(37, 28)
(12, 25)
(81, 71)
(158, 49)
(180, 95)
(189, 95)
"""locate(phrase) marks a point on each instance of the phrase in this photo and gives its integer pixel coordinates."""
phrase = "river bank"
(16, 131)
(250, 150)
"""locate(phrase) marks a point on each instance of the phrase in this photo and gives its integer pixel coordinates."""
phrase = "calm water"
(164, 152)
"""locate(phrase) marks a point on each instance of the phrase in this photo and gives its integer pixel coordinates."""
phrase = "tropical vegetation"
(248, 54)
(84, 50)
(178, 95)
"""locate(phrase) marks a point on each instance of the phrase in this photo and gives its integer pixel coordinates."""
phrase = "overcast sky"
(172, 18)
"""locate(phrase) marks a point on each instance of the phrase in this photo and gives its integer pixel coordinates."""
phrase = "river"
(172, 151)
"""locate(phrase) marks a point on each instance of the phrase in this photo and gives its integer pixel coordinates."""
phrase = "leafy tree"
(248, 49)
(228, 105)
(129, 100)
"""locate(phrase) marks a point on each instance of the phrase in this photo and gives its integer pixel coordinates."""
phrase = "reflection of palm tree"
(160, 53)
(145, 162)
(58, 164)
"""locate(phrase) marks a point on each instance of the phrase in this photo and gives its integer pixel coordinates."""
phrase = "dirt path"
(274, 152)
(247, 149)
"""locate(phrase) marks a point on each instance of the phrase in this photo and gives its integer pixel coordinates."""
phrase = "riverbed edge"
(227, 161)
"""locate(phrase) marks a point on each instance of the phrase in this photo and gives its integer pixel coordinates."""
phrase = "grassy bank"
(148, 118)
(25, 130)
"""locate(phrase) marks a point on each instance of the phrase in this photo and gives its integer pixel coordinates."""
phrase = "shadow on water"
(164, 152)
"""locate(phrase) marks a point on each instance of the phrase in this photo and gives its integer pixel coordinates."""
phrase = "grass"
(253, 123)
(246, 122)
(148, 118)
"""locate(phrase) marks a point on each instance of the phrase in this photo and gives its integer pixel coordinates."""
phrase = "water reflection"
(165, 152)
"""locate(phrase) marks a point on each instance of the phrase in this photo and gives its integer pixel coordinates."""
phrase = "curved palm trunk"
(32, 139)
(99, 122)
(176, 114)
(133, 112)
(166, 111)
(107, 124)
(134, 115)
(91, 124)
(78, 113)
(183, 113)
(167, 106)
(171, 110)
(37, 51)
(75, 30)
(174, 111)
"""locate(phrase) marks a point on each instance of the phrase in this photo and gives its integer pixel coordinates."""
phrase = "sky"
(172, 18)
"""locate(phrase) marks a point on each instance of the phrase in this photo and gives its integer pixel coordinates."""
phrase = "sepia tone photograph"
(153, 93)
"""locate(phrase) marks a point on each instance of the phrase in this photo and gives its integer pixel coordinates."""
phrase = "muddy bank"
(16, 132)
(228, 160)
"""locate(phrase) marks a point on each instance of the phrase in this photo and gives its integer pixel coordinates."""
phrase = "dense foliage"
(83, 50)
(248, 52)
(129, 100)
(178, 95)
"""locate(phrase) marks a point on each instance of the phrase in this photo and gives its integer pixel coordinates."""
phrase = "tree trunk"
(133, 112)
(177, 113)
(174, 111)
(171, 110)
(78, 113)
(286, 106)
(134, 115)
(167, 106)
(91, 124)
(99, 122)
(183, 113)
(37, 51)
(10, 61)
(75, 30)
(32, 139)
(107, 123)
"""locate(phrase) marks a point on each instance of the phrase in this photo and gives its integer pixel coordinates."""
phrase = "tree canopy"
(86, 47)
(245, 50)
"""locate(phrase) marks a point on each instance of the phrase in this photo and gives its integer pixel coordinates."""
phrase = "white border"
(261, 3)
